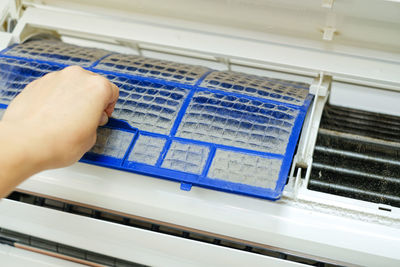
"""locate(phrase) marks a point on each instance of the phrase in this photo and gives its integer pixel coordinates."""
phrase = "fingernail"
(104, 119)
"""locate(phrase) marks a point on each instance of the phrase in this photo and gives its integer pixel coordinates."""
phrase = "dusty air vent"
(357, 155)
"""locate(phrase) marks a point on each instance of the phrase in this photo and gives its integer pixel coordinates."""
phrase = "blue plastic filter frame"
(227, 131)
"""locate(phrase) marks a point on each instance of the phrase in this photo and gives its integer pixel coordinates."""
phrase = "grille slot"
(357, 155)
(374, 125)
(146, 225)
(64, 250)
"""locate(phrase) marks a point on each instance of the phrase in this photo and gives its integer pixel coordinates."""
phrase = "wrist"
(23, 147)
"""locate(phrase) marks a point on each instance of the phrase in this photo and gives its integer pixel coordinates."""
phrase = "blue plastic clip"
(186, 186)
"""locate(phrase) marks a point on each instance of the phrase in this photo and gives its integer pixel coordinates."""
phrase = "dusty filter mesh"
(218, 129)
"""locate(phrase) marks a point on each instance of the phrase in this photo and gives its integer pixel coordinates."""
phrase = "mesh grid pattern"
(238, 122)
(55, 51)
(232, 130)
(148, 106)
(154, 68)
(147, 150)
(252, 85)
(113, 143)
(245, 169)
(15, 74)
(186, 157)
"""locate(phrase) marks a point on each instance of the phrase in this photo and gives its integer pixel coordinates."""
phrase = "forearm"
(17, 157)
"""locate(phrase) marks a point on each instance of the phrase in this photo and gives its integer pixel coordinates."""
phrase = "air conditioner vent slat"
(164, 228)
(357, 155)
(363, 123)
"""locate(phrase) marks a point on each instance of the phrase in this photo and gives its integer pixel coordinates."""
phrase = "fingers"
(105, 92)
(103, 119)
(108, 92)
(110, 98)
(115, 94)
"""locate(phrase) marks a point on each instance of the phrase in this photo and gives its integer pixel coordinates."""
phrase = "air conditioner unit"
(337, 198)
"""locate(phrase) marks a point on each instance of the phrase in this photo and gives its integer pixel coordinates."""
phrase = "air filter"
(217, 129)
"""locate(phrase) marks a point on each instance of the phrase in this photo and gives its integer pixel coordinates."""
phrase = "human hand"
(56, 116)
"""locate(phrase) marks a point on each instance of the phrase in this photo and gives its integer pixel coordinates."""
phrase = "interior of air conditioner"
(341, 196)
(348, 107)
